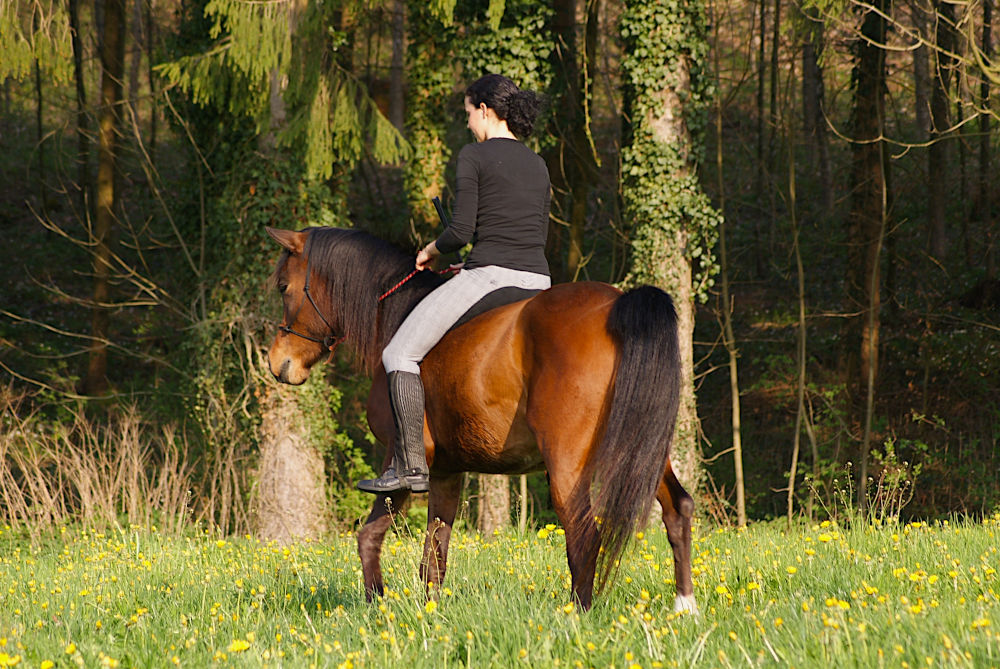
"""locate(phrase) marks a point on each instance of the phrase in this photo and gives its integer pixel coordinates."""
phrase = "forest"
(813, 181)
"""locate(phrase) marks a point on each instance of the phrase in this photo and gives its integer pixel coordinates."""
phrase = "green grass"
(895, 596)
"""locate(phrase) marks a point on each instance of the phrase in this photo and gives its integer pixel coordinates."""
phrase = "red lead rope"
(407, 278)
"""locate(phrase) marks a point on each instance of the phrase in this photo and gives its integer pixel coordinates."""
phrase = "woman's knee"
(395, 359)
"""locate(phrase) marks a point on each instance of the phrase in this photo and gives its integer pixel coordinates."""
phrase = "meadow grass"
(913, 595)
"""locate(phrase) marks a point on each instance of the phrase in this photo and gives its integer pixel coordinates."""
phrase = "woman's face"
(477, 119)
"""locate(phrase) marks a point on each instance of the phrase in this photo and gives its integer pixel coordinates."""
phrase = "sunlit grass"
(897, 596)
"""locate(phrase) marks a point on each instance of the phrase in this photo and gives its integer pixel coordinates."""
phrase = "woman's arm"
(463, 221)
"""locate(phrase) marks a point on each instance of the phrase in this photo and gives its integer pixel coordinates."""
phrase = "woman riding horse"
(502, 206)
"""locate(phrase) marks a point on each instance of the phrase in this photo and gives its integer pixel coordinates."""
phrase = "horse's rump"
(492, 383)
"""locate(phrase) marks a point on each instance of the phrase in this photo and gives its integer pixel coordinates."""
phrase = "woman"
(502, 203)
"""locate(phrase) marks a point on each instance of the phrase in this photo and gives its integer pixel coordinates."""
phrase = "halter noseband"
(331, 340)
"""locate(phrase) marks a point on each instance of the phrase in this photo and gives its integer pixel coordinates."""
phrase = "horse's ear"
(291, 240)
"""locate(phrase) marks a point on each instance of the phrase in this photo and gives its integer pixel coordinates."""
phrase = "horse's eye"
(282, 287)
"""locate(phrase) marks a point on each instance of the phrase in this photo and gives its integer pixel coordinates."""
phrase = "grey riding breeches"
(435, 314)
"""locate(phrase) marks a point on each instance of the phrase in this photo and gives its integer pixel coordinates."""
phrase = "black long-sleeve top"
(502, 197)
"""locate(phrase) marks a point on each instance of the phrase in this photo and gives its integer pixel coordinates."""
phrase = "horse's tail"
(632, 455)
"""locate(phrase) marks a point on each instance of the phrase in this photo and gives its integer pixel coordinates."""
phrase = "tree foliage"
(332, 117)
(36, 31)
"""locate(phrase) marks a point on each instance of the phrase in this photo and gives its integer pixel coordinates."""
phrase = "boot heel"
(418, 482)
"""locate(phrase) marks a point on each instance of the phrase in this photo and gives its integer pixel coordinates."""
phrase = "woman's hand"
(426, 256)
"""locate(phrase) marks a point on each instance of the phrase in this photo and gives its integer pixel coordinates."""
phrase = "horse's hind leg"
(582, 540)
(370, 539)
(442, 505)
(678, 507)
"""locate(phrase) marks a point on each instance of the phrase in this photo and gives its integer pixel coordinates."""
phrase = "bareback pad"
(497, 298)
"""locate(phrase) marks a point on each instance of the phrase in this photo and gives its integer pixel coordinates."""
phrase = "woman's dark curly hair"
(519, 108)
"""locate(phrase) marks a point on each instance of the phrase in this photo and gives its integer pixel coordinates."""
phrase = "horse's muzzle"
(282, 374)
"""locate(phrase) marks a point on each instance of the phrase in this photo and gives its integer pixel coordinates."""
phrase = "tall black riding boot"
(408, 470)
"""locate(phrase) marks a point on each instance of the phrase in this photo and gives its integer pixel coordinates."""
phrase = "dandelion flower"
(238, 645)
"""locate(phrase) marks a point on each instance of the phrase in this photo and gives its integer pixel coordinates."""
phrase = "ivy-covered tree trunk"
(674, 226)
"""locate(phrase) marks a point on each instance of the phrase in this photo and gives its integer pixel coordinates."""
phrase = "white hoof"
(686, 604)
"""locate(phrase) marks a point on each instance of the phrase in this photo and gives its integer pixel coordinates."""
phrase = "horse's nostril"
(283, 372)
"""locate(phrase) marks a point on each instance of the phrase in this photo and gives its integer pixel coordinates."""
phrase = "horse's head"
(305, 334)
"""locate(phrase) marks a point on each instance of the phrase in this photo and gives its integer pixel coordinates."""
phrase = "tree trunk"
(578, 155)
(291, 499)
(39, 127)
(759, 176)
(148, 4)
(813, 106)
(761, 82)
(800, 410)
(494, 503)
(135, 62)
(82, 125)
(866, 222)
(727, 308)
(938, 151)
(291, 476)
(921, 77)
(775, 76)
(672, 218)
(112, 69)
(986, 147)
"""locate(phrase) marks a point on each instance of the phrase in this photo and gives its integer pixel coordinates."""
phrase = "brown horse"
(580, 380)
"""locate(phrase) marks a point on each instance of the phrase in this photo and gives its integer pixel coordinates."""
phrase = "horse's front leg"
(678, 507)
(442, 505)
(371, 536)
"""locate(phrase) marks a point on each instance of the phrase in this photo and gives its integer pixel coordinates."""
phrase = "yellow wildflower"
(238, 645)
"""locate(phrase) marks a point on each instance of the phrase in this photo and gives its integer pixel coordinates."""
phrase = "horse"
(581, 380)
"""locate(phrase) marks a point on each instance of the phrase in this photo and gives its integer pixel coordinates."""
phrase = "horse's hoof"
(686, 604)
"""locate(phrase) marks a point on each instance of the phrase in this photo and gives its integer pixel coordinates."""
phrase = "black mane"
(351, 269)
